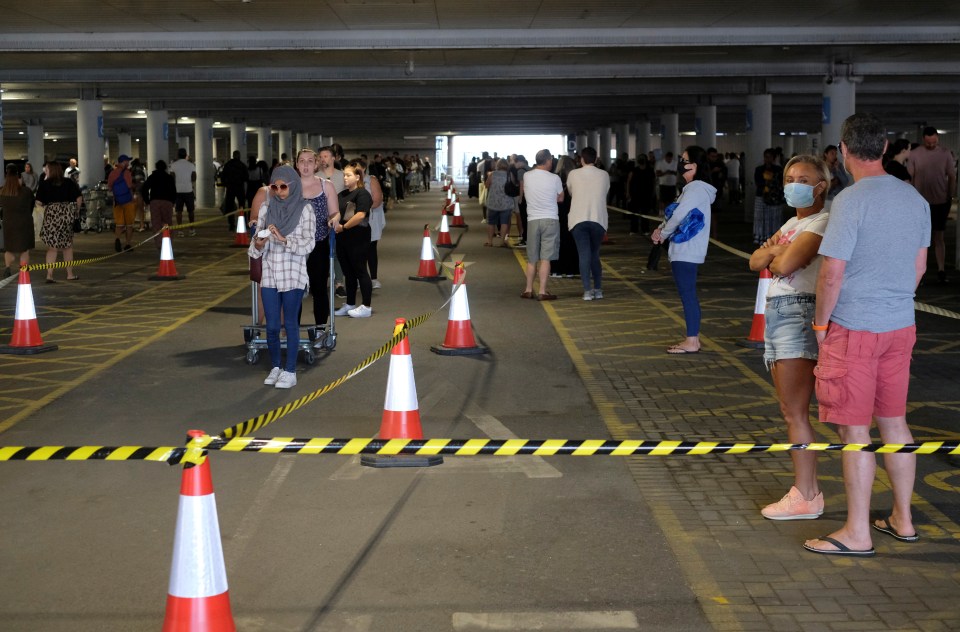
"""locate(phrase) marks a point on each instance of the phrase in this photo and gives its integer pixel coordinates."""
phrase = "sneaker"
(375, 284)
(340, 291)
(794, 507)
(344, 309)
(597, 294)
(360, 312)
(193, 232)
(272, 376)
(588, 295)
(286, 380)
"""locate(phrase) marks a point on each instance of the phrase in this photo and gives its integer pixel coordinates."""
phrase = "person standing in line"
(160, 192)
(790, 347)
(666, 170)
(59, 198)
(322, 198)
(543, 192)
(567, 263)
(329, 171)
(234, 178)
(588, 187)
(687, 226)
(838, 175)
(378, 221)
(185, 174)
(768, 203)
(16, 206)
(934, 173)
(120, 182)
(499, 204)
(353, 243)
(733, 178)
(29, 178)
(641, 195)
(874, 255)
(72, 172)
(895, 159)
(289, 219)
(139, 175)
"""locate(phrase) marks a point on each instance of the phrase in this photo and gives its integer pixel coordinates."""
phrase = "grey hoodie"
(700, 195)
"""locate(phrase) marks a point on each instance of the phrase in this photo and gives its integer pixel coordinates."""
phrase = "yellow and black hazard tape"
(209, 220)
(197, 448)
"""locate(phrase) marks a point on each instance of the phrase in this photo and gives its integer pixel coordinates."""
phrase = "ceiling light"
(45, 134)
(21, 133)
(141, 111)
(184, 118)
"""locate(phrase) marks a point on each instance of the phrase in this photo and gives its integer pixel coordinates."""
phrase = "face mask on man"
(798, 195)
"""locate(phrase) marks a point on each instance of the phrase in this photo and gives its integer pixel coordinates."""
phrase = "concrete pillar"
(125, 144)
(670, 133)
(303, 141)
(215, 148)
(183, 142)
(593, 139)
(264, 144)
(316, 141)
(626, 143)
(35, 155)
(705, 125)
(90, 141)
(643, 137)
(606, 146)
(35, 167)
(238, 140)
(583, 140)
(788, 143)
(203, 159)
(158, 131)
(839, 102)
(285, 145)
(758, 125)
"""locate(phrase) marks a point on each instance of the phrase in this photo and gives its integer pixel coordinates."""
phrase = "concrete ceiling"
(389, 68)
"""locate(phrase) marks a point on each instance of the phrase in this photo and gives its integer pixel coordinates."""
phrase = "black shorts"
(938, 216)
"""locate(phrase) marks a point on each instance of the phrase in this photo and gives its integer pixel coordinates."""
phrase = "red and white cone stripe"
(757, 326)
(242, 238)
(401, 410)
(443, 237)
(26, 329)
(198, 598)
(167, 270)
(459, 339)
(428, 265)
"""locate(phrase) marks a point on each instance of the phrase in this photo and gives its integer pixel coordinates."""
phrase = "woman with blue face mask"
(790, 345)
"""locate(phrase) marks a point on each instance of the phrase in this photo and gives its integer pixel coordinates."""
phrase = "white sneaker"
(597, 294)
(286, 380)
(375, 284)
(588, 295)
(344, 309)
(193, 232)
(360, 312)
(272, 376)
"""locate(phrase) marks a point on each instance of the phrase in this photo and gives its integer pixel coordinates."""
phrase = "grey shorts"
(543, 240)
(789, 328)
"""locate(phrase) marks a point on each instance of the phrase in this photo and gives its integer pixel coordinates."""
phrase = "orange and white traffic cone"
(167, 270)
(26, 338)
(198, 599)
(755, 339)
(443, 237)
(428, 264)
(457, 217)
(242, 239)
(401, 410)
(459, 339)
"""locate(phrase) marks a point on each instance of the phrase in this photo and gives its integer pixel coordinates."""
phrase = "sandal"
(526, 295)
(487, 244)
(547, 297)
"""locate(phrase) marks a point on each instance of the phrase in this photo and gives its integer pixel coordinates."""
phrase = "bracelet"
(820, 327)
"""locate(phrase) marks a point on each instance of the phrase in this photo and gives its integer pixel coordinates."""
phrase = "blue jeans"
(685, 276)
(588, 236)
(289, 302)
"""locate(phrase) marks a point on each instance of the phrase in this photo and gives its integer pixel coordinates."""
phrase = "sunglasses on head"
(279, 187)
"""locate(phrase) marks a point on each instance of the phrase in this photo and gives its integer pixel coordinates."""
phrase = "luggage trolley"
(311, 338)
(95, 202)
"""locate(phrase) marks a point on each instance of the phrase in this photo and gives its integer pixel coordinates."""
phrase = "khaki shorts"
(124, 214)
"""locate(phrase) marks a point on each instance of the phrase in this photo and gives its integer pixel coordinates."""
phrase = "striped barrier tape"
(197, 448)
(920, 307)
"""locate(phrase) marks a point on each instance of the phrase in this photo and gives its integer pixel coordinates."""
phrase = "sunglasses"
(279, 187)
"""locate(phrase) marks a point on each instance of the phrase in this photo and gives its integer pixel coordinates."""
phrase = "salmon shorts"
(862, 375)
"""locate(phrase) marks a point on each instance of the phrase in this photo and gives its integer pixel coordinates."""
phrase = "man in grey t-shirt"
(874, 255)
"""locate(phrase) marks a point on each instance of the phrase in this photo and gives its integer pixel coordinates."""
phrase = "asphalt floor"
(477, 543)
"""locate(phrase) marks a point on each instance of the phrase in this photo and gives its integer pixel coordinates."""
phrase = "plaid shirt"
(285, 265)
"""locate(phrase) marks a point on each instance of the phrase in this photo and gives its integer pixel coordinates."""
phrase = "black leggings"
(372, 259)
(352, 248)
(318, 270)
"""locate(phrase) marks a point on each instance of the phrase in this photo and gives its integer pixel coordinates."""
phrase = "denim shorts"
(789, 328)
(499, 218)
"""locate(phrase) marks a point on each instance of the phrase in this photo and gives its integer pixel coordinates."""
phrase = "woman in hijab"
(286, 236)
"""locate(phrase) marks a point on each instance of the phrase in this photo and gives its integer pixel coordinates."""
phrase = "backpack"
(121, 192)
(510, 187)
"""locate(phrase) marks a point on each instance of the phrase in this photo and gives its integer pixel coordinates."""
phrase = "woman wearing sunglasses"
(286, 236)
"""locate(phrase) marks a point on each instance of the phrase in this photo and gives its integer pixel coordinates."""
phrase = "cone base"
(460, 226)
(459, 351)
(402, 460)
(439, 277)
(445, 245)
(157, 277)
(751, 344)
(9, 350)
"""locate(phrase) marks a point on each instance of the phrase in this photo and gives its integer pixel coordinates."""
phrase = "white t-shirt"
(804, 280)
(667, 180)
(733, 169)
(540, 190)
(183, 171)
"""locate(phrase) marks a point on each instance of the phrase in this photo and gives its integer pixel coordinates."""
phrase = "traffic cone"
(198, 599)
(443, 237)
(459, 339)
(167, 270)
(242, 239)
(755, 338)
(428, 265)
(457, 217)
(401, 411)
(26, 338)
(606, 239)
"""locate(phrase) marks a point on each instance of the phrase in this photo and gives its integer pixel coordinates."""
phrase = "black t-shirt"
(65, 191)
(897, 170)
(362, 200)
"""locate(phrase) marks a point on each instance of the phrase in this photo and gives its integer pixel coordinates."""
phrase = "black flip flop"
(842, 549)
(893, 533)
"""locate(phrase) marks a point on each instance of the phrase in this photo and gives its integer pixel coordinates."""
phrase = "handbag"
(349, 211)
(256, 269)
(511, 188)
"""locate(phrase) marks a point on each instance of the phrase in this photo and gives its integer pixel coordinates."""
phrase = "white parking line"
(517, 621)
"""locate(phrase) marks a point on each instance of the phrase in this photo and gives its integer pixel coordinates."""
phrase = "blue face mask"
(798, 195)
